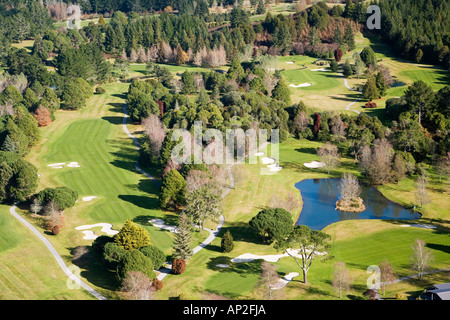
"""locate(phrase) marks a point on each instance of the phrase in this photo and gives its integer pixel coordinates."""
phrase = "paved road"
(55, 254)
(350, 88)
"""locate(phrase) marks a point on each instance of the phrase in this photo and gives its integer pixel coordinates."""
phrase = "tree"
(379, 165)
(227, 243)
(370, 90)
(188, 82)
(203, 203)
(36, 206)
(341, 278)
(421, 257)
(317, 122)
(349, 37)
(131, 236)
(268, 279)
(42, 116)
(156, 133)
(75, 92)
(183, 238)
(368, 56)
(303, 244)
(399, 167)
(178, 266)
(334, 66)
(381, 85)
(63, 197)
(421, 189)
(419, 55)
(418, 97)
(359, 67)
(386, 274)
(173, 189)
(349, 188)
(347, 69)
(302, 121)
(281, 92)
(442, 167)
(134, 260)
(181, 56)
(338, 54)
(155, 254)
(123, 67)
(329, 154)
(138, 286)
(272, 224)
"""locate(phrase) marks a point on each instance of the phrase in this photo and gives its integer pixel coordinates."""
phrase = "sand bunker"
(90, 235)
(61, 164)
(74, 165)
(247, 257)
(284, 281)
(159, 223)
(58, 165)
(267, 160)
(88, 198)
(314, 164)
(300, 85)
(258, 154)
(322, 69)
(222, 265)
(418, 225)
(290, 62)
(276, 168)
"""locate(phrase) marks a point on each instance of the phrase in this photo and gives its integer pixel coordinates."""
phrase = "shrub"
(227, 243)
(99, 243)
(112, 254)
(132, 236)
(178, 266)
(99, 90)
(400, 296)
(62, 196)
(155, 254)
(55, 230)
(134, 260)
(370, 104)
(157, 284)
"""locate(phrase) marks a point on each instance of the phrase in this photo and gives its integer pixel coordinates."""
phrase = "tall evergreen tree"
(183, 238)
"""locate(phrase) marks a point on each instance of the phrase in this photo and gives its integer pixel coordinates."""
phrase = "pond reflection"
(320, 195)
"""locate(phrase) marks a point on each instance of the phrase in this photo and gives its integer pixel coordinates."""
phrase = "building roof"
(441, 290)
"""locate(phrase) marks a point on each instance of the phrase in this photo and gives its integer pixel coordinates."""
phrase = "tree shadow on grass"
(307, 150)
(241, 231)
(242, 268)
(94, 269)
(144, 202)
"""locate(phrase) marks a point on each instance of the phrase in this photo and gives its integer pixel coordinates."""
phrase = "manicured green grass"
(27, 270)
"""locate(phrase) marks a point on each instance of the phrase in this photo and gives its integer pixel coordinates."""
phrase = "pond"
(320, 195)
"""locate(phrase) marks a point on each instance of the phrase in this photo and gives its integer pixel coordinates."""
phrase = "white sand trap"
(222, 265)
(314, 164)
(418, 225)
(89, 235)
(276, 168)
(322, 69)
(58, 167)
(247, 257)
(267, 160)
(284, 281)
(306, 84)
(159, 223)
(74, 165)
(290, 62)
(56, 164)
(258, 154)
(88, 198)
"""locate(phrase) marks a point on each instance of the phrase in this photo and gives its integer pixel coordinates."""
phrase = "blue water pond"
(320, 195)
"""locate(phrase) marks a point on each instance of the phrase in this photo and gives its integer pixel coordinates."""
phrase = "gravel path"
(350, 88)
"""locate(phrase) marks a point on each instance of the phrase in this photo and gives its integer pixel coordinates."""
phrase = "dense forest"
(65, 65)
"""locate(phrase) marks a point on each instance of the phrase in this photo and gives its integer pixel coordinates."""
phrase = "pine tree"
(349, 37)
(370, 90)
(381, 85)
(337, 37)
(110, 43)
(227, 243)
(183, 238)
(9, 145)
(188, 82)
(282, 92)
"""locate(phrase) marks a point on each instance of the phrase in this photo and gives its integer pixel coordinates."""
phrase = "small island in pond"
(350, 201)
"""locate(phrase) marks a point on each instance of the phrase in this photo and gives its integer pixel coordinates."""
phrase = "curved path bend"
(350, 88)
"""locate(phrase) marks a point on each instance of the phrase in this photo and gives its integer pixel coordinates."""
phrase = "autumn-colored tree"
(316, 124)
(157, 284)
(178, 266)
(338, 54)
(386, 274)
(138, 286)
(182, 56)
